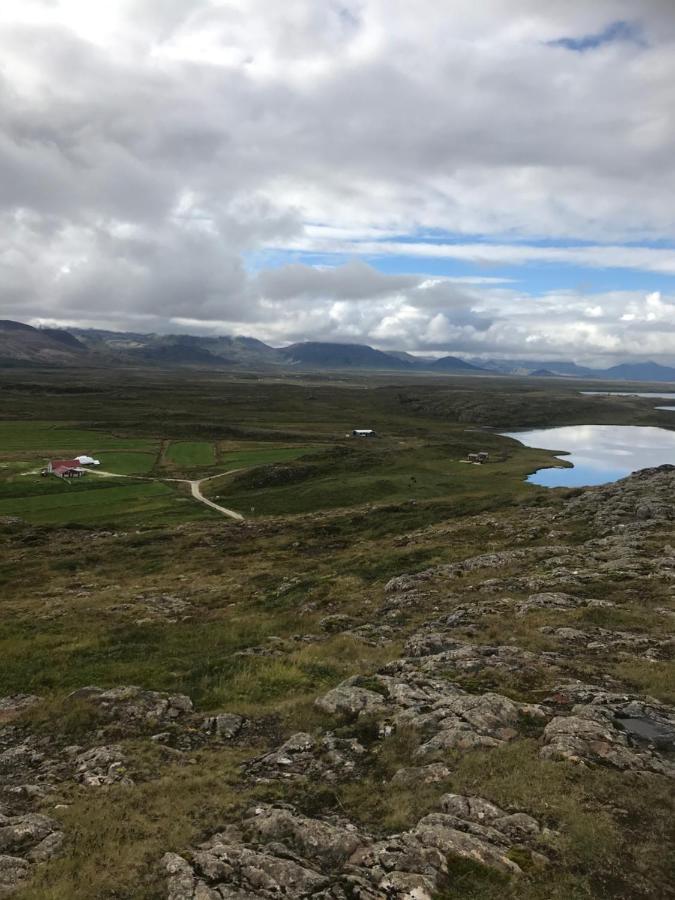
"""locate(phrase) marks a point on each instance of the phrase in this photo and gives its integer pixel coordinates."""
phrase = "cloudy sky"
(485, 178)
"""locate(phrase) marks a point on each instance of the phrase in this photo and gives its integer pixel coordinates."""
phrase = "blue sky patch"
(629, 32)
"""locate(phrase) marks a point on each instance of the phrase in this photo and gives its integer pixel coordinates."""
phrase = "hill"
(179, 349)
(343, 356)
(399, 672)
(21, 343)
(453, 364)
(648, 371)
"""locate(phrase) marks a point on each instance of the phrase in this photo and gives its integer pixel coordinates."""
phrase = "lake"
(647, 394)
(598, 453)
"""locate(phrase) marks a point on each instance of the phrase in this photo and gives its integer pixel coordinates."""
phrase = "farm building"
(363, 432)
(479, 458)
(64, 468)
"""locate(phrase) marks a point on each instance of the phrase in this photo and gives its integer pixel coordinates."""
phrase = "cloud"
(151, 149)
(354, 280)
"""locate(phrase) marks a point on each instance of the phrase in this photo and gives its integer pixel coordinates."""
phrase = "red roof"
(65, 464)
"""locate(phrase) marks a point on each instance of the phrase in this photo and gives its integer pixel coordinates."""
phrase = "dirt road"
(195, 488)
(197, 494)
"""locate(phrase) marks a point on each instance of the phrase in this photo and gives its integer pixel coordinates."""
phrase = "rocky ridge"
(278, 851)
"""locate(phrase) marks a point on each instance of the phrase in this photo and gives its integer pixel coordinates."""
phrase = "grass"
(188, 454)
(96, 501)
(62, 655)
(128, 462)
(258, 456)
(54, 436)
(116, 836)
(654, 678)
(380, 474)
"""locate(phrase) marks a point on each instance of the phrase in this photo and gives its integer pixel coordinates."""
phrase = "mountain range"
(22, 344)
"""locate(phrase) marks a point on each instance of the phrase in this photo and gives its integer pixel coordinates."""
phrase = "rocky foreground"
(539, 644)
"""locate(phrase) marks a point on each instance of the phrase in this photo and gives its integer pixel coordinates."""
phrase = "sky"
(487, 179)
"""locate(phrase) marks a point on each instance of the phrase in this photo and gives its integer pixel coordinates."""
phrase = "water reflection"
(647, 394)
(598, 453)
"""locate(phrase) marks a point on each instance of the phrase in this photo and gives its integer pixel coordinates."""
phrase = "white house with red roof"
(64, 468)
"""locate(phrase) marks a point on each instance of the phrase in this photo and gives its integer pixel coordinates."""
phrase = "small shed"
(87, 461)
(363, 432)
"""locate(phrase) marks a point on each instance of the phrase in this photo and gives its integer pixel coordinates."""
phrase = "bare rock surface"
(447, 716)
(624, 731)
(101, 766)
(24, 840)
(276, 851)
(644, 497)
(327, 757)
(134, 706)
(12, 706)
(602, 640)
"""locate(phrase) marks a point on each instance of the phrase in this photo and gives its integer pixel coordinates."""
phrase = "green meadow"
(187, 454)
(97, 501)
(50, 437)
(260, 456)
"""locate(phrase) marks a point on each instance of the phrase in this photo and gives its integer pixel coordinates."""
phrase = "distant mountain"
(531, 366)
(180, 349)
(454, 364)
(648, 371)
(360, 356)
(21, 343)
(319, 354)
(418, 361)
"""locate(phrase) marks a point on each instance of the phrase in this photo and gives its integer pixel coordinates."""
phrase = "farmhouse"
(64, 468)
(363, 432)
(479, 458)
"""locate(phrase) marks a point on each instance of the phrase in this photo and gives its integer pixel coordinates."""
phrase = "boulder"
(224, 726)
(347, 699)
(102, 765)
(19, 834)
(13, 871)
(313, 839)
(134, 707)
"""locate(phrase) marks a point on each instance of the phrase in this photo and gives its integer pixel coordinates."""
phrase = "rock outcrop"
(25, 840)
(276, 851)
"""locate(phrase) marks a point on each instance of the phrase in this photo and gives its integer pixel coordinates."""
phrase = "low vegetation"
(127, 581)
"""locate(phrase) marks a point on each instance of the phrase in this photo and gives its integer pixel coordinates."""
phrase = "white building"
(88, 461)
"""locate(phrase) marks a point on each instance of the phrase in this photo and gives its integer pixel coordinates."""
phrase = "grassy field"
(97, 501)
(290, 436)
(187, 454)
(383, 472)
(128, 462)
(259, 456)
(51, 437)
